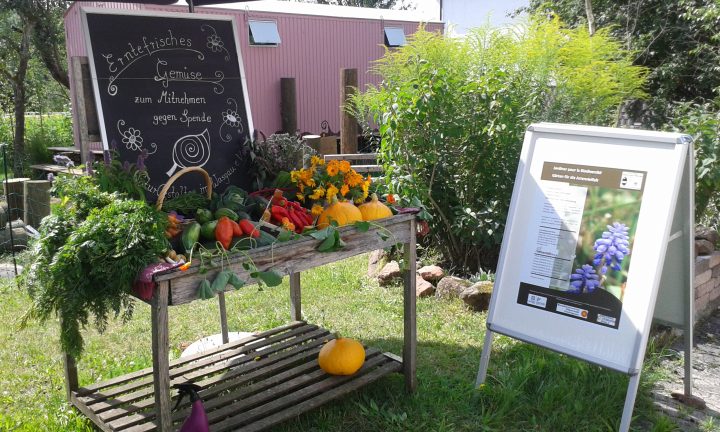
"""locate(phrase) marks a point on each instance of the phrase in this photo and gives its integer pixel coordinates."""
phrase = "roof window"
(394, 36)
(264, 33)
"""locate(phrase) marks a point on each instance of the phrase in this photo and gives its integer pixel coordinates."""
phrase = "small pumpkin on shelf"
(342, 212)
(374, 210)
(341, 356)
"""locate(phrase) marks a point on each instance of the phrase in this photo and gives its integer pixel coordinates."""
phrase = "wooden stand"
(260, 381)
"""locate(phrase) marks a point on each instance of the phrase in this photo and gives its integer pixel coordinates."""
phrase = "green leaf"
(327, 244)
(235, 281)
(282, 180)
(205, 291)
(285, 235)
(383, 235)
(221, 281)
(270, 278)
(362, 226)
(322, 234)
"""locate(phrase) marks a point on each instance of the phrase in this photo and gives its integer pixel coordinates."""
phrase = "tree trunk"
(19, 93)
(590, 17)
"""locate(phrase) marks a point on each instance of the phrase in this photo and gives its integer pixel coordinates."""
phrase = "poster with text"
(582, 239)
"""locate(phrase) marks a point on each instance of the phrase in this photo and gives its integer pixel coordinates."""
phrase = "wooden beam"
(288, 105)
(348, 125)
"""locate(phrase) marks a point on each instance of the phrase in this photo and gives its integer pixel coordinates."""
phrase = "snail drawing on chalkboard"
(190, 151)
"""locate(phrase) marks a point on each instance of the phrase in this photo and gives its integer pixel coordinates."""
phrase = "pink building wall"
(313, 50)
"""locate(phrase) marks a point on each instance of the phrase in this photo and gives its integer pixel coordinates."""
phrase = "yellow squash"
(342, 212)
(374, 210)
(342, 356)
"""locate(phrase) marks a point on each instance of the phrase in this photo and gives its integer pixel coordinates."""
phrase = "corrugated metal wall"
(313, 50)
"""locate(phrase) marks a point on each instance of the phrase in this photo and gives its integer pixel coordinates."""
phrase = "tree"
(676, 39)
(15, 36)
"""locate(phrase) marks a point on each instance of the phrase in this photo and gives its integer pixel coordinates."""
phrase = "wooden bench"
(368, 161)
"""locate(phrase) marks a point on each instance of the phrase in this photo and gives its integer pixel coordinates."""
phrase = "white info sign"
(585, 242)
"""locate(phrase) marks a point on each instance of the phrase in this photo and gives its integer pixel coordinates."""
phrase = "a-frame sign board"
(600, 229)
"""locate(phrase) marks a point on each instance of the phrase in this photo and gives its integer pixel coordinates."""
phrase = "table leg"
(71, 375)
(161, 352)
(223, 318)
(295, 303)
(409, 313)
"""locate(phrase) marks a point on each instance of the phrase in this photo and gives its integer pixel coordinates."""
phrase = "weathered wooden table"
(262, 380)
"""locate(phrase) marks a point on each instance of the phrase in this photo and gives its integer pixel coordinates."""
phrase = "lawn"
(528, 388)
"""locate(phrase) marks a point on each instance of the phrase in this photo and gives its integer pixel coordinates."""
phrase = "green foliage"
(452, 114)
(676, 40)
(278, 154)
(41, 132)
(90, 251)
(124, 177)
(702, 122)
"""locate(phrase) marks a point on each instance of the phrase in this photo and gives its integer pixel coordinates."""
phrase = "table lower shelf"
(247, 385)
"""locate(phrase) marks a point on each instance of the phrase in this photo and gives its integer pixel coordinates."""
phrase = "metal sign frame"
(673, 283)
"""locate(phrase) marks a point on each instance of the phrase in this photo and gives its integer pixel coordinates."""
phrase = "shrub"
(702, 122)
(452, 114)
(41, 132)
(276, 154)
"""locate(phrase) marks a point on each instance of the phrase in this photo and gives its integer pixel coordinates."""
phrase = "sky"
(469, 13)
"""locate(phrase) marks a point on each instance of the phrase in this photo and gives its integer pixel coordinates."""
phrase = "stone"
(477, 296)
(451, 287)
(703, 247)
(705, 233)
(389, 272)
(423, 288)
(431, 273)
(374, 260)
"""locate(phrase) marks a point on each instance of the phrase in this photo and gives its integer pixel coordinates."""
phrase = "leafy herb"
(86, 261)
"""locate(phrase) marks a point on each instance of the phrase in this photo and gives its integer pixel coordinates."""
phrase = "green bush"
(702, 122)
(452, 114)
(41, 132)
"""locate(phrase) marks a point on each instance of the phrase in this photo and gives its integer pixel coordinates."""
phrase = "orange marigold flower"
(390, 199)
(314, 160)
(287, 224)
(332, 168)
(185, 266)
(300, 197)
(344, 190)
(344, 166)
(317, 209)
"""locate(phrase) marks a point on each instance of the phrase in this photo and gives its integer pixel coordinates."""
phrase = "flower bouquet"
(324, 181)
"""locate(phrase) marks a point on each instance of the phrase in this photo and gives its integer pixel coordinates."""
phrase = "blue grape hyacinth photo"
(585, 279)
(612, 247)
(610, 250)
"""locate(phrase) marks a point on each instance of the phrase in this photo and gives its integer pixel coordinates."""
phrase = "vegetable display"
(374, 210)
(341, 212)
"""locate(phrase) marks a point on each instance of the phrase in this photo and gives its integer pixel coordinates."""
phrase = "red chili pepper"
(248, 228)
(296, 220)
(277, 210)
(237, 231)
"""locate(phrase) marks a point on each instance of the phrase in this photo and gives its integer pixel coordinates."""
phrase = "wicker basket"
(164, 190)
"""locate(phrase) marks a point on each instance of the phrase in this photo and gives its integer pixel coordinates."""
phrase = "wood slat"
(351, 156)
(57, 169)
(246, 360)
(241, 393)
(253, 371)
(188, 359)
(191, 371)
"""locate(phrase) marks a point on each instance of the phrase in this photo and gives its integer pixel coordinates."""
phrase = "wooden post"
(295, 309)
(19, 235)
(409, 322)
(14, 189)
(4, 213)
(288, 105)
(161, 352)
(37, 201)
(88, 124)
(223, 318)
(71, 376)
(348, 124)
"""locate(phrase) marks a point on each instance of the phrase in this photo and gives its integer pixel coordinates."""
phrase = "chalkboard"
(171, 89)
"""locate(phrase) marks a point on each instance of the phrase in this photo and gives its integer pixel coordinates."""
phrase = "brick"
(703, 277)
(716, 272)
(702, 264)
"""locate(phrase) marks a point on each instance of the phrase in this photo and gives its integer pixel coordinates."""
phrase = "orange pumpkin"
(374, 210)
(341, 356)
(342, 212)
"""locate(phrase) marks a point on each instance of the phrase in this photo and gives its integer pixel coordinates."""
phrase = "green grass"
(529, 389)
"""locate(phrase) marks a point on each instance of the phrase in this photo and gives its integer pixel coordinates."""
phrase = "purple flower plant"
(107, 159)
(584, 279)
(612, 247)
